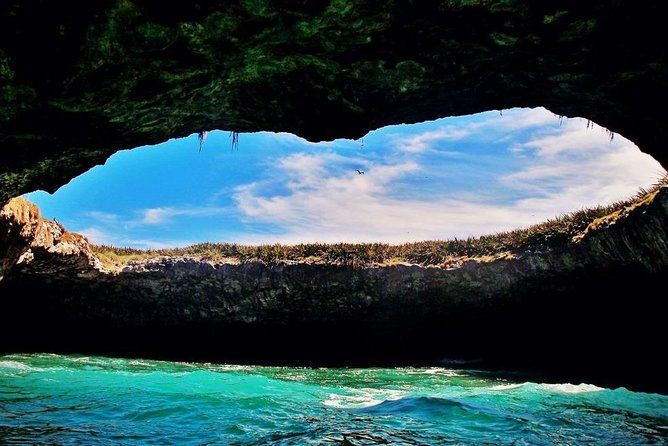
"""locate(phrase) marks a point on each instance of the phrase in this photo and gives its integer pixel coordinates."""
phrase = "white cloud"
(103, 217)
(512, 120)
(580, 166)
(424, 141)
(291, 139)
(97, 235)
(351, 207)
(105, 231)
(520, 118)
(160, 215)
(576, 138)
(156, 216)
(317, 195)
(152, 244)
(307, 169)
(563, 169)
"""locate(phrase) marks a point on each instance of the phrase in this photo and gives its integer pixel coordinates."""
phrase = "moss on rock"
(78, 82)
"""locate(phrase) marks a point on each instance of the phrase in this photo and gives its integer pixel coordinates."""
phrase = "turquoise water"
(52, 399)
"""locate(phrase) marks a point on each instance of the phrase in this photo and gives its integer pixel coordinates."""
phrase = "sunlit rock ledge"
(588, 306)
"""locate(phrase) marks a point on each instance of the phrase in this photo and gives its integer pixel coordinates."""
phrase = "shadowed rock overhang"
(81, 81)
(581, 305)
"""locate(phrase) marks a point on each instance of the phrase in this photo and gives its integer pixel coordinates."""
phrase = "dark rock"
(587, 309)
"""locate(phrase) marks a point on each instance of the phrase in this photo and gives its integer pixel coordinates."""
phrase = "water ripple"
(51, 399)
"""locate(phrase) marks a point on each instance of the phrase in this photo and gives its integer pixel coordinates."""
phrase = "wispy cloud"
(152, 243)
(324, 201)
(513, 120)
(576, 138)
(156, 216)
(100, 236)
(104, 217)
(579, 165)
(350, 207)
(117, 230)
(520, 118)
(97, 235)
(424, 141)
(500, 172)
(160, 215)
(564, 169)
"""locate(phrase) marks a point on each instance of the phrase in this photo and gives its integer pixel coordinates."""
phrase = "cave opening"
(455, 177)
(466, 329)
(264, 267)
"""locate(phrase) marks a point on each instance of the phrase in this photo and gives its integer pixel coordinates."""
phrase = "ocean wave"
(362, 398)
(231, 367)
(144, 400)
(501, 387)
(416, 405)
(562, 388)
(18, 366)
(433, 371)
(571, 388)
(137, 362)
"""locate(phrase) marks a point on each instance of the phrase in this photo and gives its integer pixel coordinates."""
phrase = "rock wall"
(29, 241)
(587, 309)
(81, 81)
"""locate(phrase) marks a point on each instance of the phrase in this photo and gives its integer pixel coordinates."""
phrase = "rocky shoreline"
(587, 310)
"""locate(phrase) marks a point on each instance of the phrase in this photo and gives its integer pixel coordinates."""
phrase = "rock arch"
(78, 82)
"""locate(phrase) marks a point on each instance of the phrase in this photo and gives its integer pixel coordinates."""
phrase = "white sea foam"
(229, 368)
(141, 363)
(361, 398)
(94, 361)
(571, 388)
(502, 387)
(563, 388)
(433, 371)
(295, 377)
(440, 371)
(16, 365)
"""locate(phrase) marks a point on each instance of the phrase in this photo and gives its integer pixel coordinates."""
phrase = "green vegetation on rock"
(553, 233)
(78, 83)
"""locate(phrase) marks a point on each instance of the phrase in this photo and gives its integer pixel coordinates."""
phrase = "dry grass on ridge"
(438, 252)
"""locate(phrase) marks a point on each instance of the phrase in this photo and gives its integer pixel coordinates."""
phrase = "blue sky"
(453, 177)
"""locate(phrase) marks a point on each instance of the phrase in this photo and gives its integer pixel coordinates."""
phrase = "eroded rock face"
(34, 244)
(589, 308)
(80, 81)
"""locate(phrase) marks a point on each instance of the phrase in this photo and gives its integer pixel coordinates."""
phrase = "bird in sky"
(359, 172)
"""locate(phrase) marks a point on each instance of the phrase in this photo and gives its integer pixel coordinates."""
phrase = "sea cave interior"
(333, 222)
